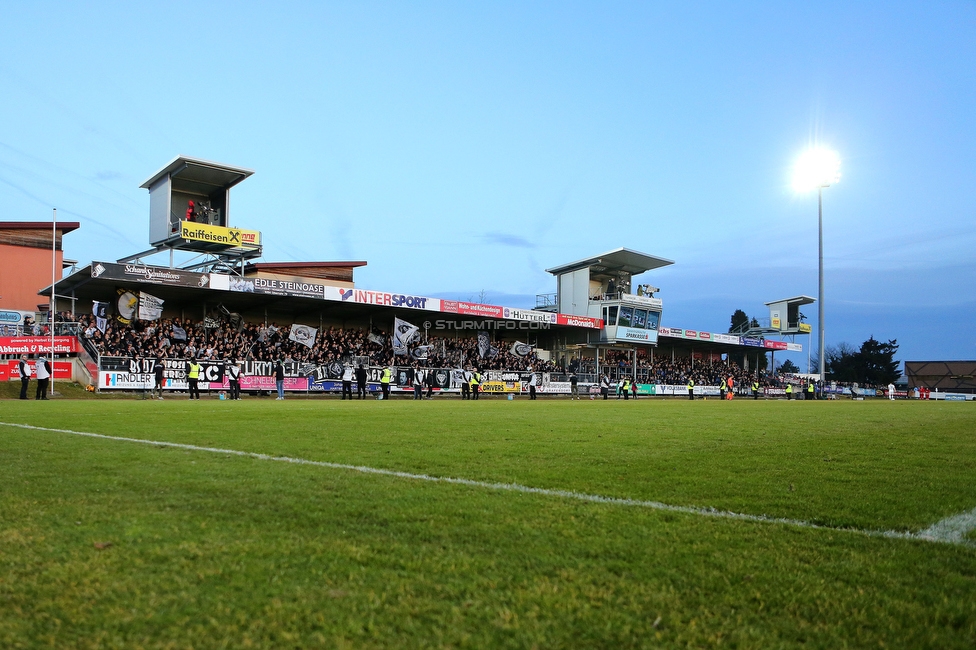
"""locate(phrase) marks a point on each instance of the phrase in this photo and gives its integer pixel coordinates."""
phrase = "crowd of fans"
(704, 371)
(178, 338)
(222, 340)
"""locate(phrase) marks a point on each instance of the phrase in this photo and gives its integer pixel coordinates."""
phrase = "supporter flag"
(179, 333)
(100, 312)
(303, 334)
(403, 333)
(521, 349)
(484, 344)
(421, 352)
(150, 307)
(377, 339)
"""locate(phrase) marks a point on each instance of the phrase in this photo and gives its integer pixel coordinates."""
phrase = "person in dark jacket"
(25, 375)
(361, 385)
(279, 373)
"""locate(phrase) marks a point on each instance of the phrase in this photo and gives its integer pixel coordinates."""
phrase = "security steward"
(755, 390)
(347, 375)
(789, 392)
(691, 389)
(193, 378)
(25, 375)
(385, 381)
(475, 383)
(810, 389)
(625, 388)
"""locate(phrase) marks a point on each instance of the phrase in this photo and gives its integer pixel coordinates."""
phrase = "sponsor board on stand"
(725, 338)
(579, 321)
(38, 344)
(530, 315)
(635, 334)
(382, 298)
(471, 309)
(149, 274)
(292, 287)
(233, 237)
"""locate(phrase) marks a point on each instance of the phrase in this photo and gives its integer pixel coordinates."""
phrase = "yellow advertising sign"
(775, 321)
(204, 232)
(500, 387)
(805, 328)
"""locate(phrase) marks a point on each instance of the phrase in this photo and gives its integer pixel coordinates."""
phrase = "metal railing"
(545, 301)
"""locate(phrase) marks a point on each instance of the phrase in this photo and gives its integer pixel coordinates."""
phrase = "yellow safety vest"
(194, 371)
(475, 379)
(385, 377)
(789, 388)
(691, 384)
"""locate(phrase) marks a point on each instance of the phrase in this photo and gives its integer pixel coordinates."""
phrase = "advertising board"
(38, 344)
(634, 334)
(11, 369)
(233, 237)
(292, 287)
(149, 275)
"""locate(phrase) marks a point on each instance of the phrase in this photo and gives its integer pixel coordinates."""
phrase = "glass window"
(640, 317)
(626, 316)
(612, 316)
(653, 318)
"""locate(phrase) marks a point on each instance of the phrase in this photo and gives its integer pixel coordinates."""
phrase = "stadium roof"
(200, 175)
(797, 300)
(617, 260)
(63, 226)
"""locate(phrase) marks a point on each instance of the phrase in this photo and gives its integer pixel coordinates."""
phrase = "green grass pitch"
(114, 544)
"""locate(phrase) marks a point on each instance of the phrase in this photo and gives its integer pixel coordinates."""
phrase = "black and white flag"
(150, 307)
(100, 312)
(521, 349)
(421, 352)
(179, 334)
(403, 333)
(484, 344)
(303, 334)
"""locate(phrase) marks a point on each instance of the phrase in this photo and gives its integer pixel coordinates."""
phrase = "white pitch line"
(947, 531)
(952, 529)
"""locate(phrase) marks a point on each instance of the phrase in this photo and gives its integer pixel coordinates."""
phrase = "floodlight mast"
(818, 168)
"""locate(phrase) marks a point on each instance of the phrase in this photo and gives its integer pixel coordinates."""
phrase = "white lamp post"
(818, 168)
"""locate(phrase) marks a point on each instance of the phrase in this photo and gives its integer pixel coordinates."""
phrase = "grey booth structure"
(600, 287)
(172, 188)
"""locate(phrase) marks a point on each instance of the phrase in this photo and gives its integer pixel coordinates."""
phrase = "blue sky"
(460, 147)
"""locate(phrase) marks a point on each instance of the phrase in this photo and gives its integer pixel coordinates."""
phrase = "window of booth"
(610, 315)
(640, 318)
(626, 316)
(653, 319)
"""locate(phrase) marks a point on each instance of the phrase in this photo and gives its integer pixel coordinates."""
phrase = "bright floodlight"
(816, 168)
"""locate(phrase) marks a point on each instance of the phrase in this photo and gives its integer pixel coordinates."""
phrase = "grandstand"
(225, 305)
